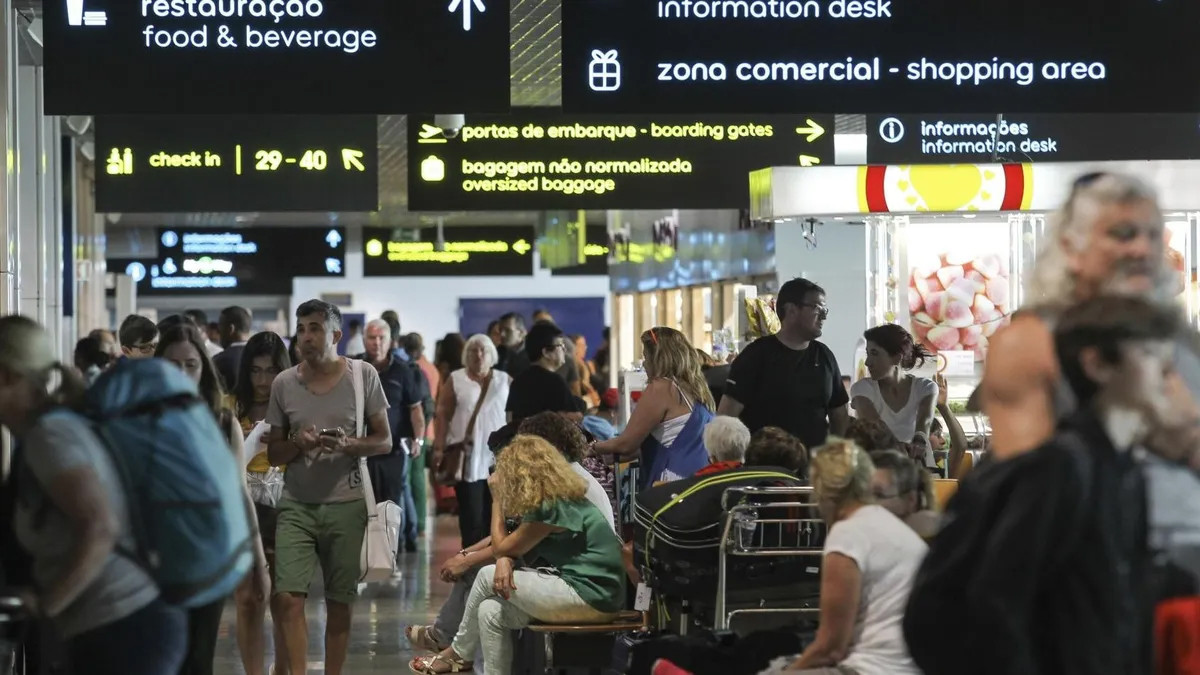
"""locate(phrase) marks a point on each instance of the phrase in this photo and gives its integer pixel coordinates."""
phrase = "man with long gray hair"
(1108, 239)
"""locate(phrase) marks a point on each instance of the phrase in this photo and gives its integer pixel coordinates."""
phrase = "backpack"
(182, 485)
(942, 583)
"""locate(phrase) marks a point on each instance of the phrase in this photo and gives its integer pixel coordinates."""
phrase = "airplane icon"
(430, 134)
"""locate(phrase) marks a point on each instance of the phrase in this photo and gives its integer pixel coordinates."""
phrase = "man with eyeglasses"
(791, 380)
(539, 388)
(138, 336)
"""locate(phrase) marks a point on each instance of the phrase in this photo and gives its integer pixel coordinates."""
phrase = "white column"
(8, 180)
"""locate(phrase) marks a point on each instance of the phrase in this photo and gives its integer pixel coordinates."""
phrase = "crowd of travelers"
(1063, 549)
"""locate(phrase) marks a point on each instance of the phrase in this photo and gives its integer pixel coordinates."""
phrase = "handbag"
(454, 457)
(381, 540)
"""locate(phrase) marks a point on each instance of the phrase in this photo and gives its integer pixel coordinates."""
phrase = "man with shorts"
(322, 516)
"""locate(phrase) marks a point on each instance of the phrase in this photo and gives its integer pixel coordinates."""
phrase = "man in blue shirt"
(405, 388)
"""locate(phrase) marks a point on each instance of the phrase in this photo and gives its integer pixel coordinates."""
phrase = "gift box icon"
(604, 72)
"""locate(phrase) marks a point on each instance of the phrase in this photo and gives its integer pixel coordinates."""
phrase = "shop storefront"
(942, 249)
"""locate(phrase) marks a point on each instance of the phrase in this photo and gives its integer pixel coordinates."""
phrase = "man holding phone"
(322, 516)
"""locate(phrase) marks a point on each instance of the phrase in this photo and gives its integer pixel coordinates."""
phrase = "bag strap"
(483, 390)
(356, 374)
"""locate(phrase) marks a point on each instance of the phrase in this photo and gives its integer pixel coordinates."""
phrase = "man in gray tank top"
(1107, 239)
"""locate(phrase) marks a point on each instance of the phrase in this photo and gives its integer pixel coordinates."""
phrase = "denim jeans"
(151, 641)
(390, 480)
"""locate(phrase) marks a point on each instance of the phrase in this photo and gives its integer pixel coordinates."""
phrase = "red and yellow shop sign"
(945, 188)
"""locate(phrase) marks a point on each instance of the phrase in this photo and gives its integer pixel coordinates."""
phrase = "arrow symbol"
(522, 246)
(333, 238)
(352, 158)
(466, 10)
(813, 130)
(333, 266)
(809, 160)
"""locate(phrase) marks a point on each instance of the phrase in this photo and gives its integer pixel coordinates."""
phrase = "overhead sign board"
(940, 139)
(465, 251)
(169, 163)
(595, 255)
(242, 261)
(862, 56)
(275, 56)
(543, 159)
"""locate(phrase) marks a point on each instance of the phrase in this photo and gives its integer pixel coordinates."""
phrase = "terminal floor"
(377, 642)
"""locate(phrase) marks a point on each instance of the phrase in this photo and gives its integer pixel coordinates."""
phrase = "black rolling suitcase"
(677, 539)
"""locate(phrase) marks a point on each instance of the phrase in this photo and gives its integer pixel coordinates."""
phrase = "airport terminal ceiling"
(535, 67)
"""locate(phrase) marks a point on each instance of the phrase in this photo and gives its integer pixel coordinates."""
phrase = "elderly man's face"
(1124, 250)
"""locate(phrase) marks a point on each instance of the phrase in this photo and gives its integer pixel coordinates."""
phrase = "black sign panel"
(467, 251)
(637, 56)
(595, 252)
(542, 159)
(245, 163)
(937, 139)
(275, 56)
(243, 261)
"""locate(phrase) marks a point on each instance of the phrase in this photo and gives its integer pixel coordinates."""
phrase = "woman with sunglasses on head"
(184, 345)
(263, 358)
(667, 426)
(902, 401)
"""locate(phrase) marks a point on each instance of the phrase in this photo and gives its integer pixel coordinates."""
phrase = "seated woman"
(576, 574)
(772, 446)
(462, 568)
(668, 423)
(726, 439)
(902, 401)
(871, 559)
(905, 489)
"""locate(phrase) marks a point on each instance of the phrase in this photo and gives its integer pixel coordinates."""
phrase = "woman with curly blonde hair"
(575, 573)
(667, 426)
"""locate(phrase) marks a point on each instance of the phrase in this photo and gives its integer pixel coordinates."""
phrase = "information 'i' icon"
(604, 72)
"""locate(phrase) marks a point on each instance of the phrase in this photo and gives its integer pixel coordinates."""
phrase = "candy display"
(957, 300)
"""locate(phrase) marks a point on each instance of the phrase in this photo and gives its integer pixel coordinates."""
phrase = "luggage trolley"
(770, 522)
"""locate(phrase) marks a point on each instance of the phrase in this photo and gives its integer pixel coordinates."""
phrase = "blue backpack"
(182, 484)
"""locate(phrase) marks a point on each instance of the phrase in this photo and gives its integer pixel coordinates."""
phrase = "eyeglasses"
(822, 310)
(148, 348)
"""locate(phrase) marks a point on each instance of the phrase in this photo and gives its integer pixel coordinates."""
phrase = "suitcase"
(678, 540)
(13, 625)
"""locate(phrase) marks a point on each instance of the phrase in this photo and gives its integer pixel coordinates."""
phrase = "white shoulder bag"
(381, 540)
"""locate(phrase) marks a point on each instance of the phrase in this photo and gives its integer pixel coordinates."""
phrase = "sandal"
(423, 665)
(420, 637)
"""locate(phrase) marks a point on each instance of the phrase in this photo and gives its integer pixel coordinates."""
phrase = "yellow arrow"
(809, 160)
(813, 130)
(351, 158)
(522, 246)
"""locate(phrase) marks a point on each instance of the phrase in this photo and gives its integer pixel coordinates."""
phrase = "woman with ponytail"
(71, 517)
(902, 401)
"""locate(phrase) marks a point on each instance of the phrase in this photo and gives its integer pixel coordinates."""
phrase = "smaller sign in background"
(500, 250)
(595, 252)
(941, 139)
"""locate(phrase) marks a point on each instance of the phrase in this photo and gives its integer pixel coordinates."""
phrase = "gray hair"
(490, 355)
(381, 325)
(726, 439)
(331, 315)
(1051, 282)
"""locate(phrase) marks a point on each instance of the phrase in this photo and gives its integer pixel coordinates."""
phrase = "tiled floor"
(377, 642)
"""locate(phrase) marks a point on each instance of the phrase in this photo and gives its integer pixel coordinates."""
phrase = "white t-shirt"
(902, 422)
(888, 554)
(596, 494)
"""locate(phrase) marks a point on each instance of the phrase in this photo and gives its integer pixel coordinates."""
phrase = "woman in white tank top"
(902, 401)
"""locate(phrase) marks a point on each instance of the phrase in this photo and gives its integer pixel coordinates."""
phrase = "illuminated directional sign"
(239, 163)
(275, 56)
(542, 159)
(466, 251)
(240, 261)
(866, 56)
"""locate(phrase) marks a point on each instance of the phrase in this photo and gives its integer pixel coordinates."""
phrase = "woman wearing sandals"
(576, 575)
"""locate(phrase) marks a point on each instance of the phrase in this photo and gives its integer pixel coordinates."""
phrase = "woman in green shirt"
(576, 575)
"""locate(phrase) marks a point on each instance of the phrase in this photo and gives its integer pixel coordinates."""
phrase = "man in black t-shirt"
(539, 388)
(790, 380)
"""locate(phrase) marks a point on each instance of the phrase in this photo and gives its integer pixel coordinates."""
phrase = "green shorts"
(329, 534)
